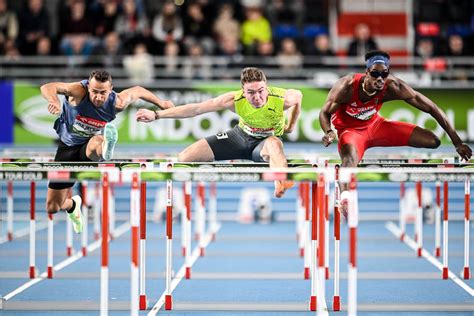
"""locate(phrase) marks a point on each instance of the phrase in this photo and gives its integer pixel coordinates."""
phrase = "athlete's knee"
(349, 161)
(434, 142)
(52, 207)
(96, 141)
(184, 156)
(273, 144)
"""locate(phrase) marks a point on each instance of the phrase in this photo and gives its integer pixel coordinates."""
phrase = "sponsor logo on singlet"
(363, 113)
(257, 132)
(87, 127)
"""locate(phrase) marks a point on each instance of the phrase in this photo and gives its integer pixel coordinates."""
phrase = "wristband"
(157, 115)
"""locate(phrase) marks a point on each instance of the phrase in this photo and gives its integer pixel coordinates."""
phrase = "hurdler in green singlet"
(264, 121)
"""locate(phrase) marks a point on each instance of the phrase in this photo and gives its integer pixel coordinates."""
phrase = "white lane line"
(24, 232)
(61, 265)
(180, 275)
(412, 244)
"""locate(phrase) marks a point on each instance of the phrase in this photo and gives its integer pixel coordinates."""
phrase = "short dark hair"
(100, 75)
(376, 53)
(252, 74)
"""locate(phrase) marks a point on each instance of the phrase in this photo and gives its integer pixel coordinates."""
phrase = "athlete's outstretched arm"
(224, 101)
(293, 100)
(50, 92)
(130, 95)
(339, 93)
(401, 90)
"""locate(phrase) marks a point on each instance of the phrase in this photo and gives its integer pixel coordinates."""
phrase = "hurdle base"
(10, 236)
(445, 273)
(32, 272)
(419, 252)
(336, 303)
(312, 303)
(168, 302)
(84, 251)
(201, 251)
(301, 252)
(327, 273)
(306, 273)
(438, 252)
(143, 305)
(467, 273)
(50, 272)
(187, 274)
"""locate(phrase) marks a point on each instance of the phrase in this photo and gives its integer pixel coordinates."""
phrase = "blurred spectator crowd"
(104, 31)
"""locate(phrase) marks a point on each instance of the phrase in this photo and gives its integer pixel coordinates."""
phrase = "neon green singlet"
(265, 121)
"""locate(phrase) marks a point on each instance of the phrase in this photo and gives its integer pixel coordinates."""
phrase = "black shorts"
(236, 144)
(68, 153)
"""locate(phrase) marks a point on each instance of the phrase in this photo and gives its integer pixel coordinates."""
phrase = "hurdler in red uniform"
(353, 104)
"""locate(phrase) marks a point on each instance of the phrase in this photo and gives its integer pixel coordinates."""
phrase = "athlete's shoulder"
(276, 92)
(345, 83)
(238, 95)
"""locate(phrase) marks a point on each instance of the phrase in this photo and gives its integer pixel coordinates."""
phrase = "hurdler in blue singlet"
(77, 124)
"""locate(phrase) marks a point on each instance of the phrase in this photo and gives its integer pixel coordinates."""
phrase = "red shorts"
(380, 133)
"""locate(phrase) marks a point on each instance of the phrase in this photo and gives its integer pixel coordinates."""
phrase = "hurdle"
(269, 176)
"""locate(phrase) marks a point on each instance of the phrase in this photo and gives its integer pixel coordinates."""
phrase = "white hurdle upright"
(336, 303)
(50, 245)
(326, 223)
(305, 236)
(314, 245)
(69, 237)
(213, 211)
(187, 228)
(445, 230)
(85, 218)
(467, 211)
(97, 208)
(402, 216)
(112, 216)
(10, 211)
(169, 243)
(321, 219)
(353, 221)
(419, 219)
(438, 220)
(300, 218)
(104, 271)
(201, 217)
(134, 221)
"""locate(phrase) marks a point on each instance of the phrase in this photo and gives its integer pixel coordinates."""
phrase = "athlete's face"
(376, 76)
(99, 91)
(256, 93)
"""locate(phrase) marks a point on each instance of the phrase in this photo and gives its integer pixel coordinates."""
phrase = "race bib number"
(222, 136)
(87, 127)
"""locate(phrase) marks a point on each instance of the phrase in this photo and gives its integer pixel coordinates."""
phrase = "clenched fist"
(145, 115)
(328, 138)
(166, 104)
(54, 108)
